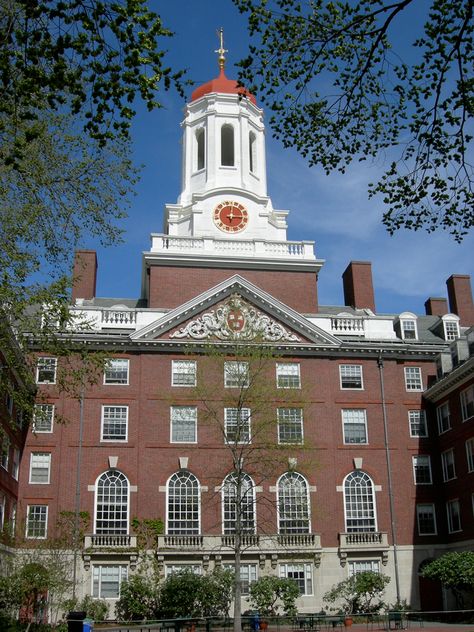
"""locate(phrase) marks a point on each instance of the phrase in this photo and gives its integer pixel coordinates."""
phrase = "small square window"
(236, 374)
(116, 371)
(413, 381)
(114, 423)
(183, 424)
(43, 418)
(237, 425)
(447, 463)
(417, 420)
(354, 423)
(470, 455)
(453, 510)
(301, 574)
(183, 373)
(290, 425)
(443, 418)
(288, 375)
(40, 467)
(408, 328)
(107, 580)
(467, 403)
(426, 518)
(37, 521)
(422, 469)
(351, 376)
(46, 370)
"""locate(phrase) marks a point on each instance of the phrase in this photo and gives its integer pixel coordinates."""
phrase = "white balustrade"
(353, 326)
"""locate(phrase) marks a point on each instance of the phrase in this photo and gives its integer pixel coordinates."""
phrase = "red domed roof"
(224, 86)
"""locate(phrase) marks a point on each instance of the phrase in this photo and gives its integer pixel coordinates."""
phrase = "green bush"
(138, 599)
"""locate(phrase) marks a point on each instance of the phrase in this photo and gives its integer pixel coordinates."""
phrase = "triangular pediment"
(236, 311)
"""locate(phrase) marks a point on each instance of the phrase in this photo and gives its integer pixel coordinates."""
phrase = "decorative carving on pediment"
(235, 319)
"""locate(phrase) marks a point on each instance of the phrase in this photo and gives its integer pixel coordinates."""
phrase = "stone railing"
(348, 325)
(363, 539)
(181, 541)
(298, 540)
(258, 543)
(119, 319)
(247, 540)
(109, 541)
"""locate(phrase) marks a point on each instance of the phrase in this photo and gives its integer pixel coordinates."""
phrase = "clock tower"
(224, 218)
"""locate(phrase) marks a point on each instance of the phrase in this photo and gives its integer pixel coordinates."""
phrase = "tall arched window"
(200, 149)
(227, 146)
(252, 151)
(359, 502)
(112, 492)
(183, 504)
(293, 504)
(231, 508)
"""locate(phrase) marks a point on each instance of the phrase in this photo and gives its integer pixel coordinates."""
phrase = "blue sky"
(334, 211)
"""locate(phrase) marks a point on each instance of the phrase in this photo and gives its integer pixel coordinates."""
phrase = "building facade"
(375, 474)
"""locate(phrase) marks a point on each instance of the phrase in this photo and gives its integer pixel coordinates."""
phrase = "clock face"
(230, 217)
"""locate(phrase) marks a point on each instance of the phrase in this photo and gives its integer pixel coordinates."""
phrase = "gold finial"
(221, 50)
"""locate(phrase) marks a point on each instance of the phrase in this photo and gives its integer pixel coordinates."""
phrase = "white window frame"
(354, 417)
(443, 417)
(46, 364)
(413, 379)
(450, 505)
(451, 327)
(176, 417)
(408, 326)
(29, 523)
(448, 465)
(351, 373)
(467, 403)
(293, 504)
(171, 569)
(109, 380)
(43, 413)
(247, 504)
(418, 466)
(112, 507)
(248, 575)
(41, 462)
(290, 422)
(286, 570)
(183, 373)
(360, 503)
(97, 580)
(470, 454)
(427, 509)
(245, 423)
(362, 566)
(236, 374)
(417, 423)
(188, 504)
(288, 375)
(105, 418)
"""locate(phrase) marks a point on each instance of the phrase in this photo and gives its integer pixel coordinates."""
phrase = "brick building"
(380, 489)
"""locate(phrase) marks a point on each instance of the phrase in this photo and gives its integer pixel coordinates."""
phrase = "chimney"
(84, 275)
(460, 298)
(436, 306)
(357, 283)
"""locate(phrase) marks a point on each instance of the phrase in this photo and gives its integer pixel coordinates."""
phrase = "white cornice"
(456, 378)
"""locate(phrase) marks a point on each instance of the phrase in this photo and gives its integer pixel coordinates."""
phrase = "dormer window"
(200, 149)
(451, 327)
(227, 146)
(408, 328)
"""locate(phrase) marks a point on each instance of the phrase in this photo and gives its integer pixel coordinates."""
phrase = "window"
(447, 464)
(5, 453)
(183, 504)
(290, 425)
(106, 581)
(112, 503)
(2, 510)
(467, 403)
(16, 463)
(301, 574)
(451, 329)
(422, 469)
(227, 146)
(453, 510)
(408, 329)
(417, 421)
(354, 422)
(443, 417)
(413, 381)
(200, 149)
(116, 371)
(351, 376)
(237, 425)
(183, 373)
(40, 466)
(252, 152)
(36, 521)
(230, 507)
(236, 374)
(359, 503)
(9, 402)
(43, 418)
(426, 518)
(114, 423)
(171, 569)
(183, 424)
(46, 371)
(248, 575)
(288, 375)
(470, 455)
(293, 504)
(363, 566)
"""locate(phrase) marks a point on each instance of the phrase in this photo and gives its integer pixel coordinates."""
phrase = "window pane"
(290, 425)
(183, 504)
(413, 378)
(422, 469)
(116, 371)
(351, 376)
(232, 508)
(112, 503)
(183, 424)
(237, 425)
(417, 419)
(359, 502)
(36, 521)
(288, 375)
(443, 417)
(301, 574)
(425, 514)
(293, 504)
(236, 374)
(46, 370)
(355, 426)
(114, 423)
(43, 418)
(40, 467)
(467, 403)
(183, 373)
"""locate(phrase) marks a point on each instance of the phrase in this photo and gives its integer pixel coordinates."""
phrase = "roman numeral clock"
(230, 216)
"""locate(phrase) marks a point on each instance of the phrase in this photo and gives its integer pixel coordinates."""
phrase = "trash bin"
(88, 625)
(75, 621)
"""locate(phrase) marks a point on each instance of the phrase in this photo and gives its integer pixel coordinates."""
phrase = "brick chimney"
(460, 298)
(84, 275)
(357, 283)
(436, 306)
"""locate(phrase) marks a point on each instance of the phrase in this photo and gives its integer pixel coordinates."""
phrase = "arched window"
(112, 491)
(231, 508)
(227, 146)
(252, 152)
(200, 149)
(183, 504)
(359, 502)
(293, 504)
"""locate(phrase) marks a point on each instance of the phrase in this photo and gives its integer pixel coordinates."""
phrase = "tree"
(454, 570)
(338, 90)
(268, 593)
(138, 599)
(359, 593)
